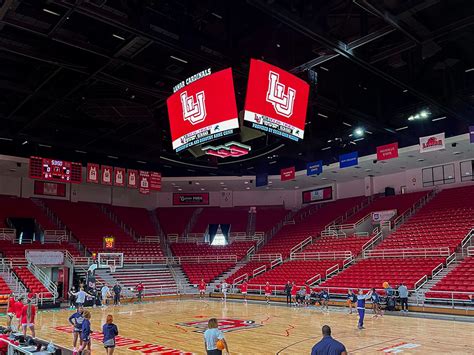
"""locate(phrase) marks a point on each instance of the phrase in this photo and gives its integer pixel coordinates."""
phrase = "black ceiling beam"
(301, 26)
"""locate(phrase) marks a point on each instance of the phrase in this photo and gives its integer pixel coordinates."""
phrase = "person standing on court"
(214, 341)
(140, 291)
(117, 290)
(288, 292)
(328, 345)
(110, 331)
(81, 297)
(403, 294)
(361, 298)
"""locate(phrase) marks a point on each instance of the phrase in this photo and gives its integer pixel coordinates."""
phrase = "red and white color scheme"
(55, 170)
(276, 101)
(92, 173)
(231, 149)
(317, 195)
(155, 181)
(387, 151)
(50, 189)
(132, 180)
(432, 143)
(144, 182)
(203, 110)
(287, 174)
(106, 175)
(119, 177)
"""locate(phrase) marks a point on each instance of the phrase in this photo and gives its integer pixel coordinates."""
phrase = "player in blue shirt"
(86, 334)
(361, 298)
(351, 300)
(76, 320)
(328, 345)
(324, 296)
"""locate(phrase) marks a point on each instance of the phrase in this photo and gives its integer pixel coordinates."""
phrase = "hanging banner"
(226, 199)
(380, 216)
(387, 151)
(261, 179)
(155, 181)
(144, 182)
(106, 175)
(432, 143)
(314, 168)
(471, 133)
(132, 180)
(349, 159)
(92, 173)
(49, 189)
(287, 174)
(317, 195)
(119, 177)
(45, 257)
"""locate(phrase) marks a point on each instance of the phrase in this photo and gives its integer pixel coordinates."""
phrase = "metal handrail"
(419, 284)
(7, 234)
(329, 255)
(276, 262)
(301, 244)
(372, 241)
(265, 257)
(314, 280)
(406, 252)
(259, 270)
(332, 270)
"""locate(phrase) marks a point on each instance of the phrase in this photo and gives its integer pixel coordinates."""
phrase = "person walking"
(28, 318)
(110, 331)
(328, 345)
(140, 289)
(104, 291)
(86, 334)
(403, 294)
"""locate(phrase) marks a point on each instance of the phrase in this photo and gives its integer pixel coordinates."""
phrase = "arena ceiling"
(87, 80)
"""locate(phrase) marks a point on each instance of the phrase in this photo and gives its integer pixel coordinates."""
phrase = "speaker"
(389, 191)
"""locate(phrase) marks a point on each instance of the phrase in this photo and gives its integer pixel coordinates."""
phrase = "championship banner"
(203, 110)
(261, 179)
(119, 177)
(287, 174)
(432, 143)
(132, 180)
(314, 168)
(92, 173)
(317, 195)
(387, 151)
(191, 199)
(471, 134)
(381, 216)
(276, 101)
(155, 181)
(349, 159)
(106, 175)
(45, 257)
(49, 189)
(144, 182)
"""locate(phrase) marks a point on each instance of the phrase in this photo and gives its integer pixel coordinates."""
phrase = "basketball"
(220, 345)
(385, 284)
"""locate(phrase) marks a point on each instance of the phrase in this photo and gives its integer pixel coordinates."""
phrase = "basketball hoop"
(112, 268)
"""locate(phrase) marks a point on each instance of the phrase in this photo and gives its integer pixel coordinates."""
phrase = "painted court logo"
(194, 111)
(282, 102)
(225, 325)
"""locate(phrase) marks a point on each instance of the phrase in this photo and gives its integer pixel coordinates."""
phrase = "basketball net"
(112, 268)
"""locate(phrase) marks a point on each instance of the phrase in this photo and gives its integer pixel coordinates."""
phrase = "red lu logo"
(282, 103)
(194, 111)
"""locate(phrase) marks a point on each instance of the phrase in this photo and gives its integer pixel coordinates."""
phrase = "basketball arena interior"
(251, 161)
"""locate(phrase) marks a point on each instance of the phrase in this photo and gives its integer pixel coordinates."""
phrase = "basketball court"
(256, 328)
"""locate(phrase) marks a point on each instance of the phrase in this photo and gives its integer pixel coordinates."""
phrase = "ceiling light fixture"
(346, 124)
(438, 118)
(51, 12)
(322, 115)
(359, 139)
(6, 139)
(180, 189)
(406, 90)
(423, 114)
(44, 145)
(197, 183)
(216, 15)
(469, 70)
(179, 59)
(118, 37)
(324, 68)
(329, 140)
(222, 183)
(25, 142)
(80, 151)
(401, 128)
(247, 188)
(359, 132)
(352, 142)
(112, 157)
(141, 161)
(272, 162)
(325, 148)
(368, 132)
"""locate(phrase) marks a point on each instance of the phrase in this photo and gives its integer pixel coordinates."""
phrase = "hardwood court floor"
(262, 329)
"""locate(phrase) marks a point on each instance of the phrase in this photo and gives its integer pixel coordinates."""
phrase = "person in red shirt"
(10, 309)
(18, 307)
(268, 292)
(28, 314)
(243, 289)
(4, 344)
(140, 289)
(202, 288)
(294, 290)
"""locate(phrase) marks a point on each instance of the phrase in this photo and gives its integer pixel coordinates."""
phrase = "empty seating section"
(22, 208)
(206, 271)
(297, 271)
(156, 280)
(192, 249)
(351, 243)
(136, 218)
(312, 225)
(173, 220)
(10, 250)
(31, 282)
(369, 273)
(4, 288)
(237, 217)
(442, 222)
(247, 269)
(401, 203)
(460, 279)
(267, 217)
(89, 224)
